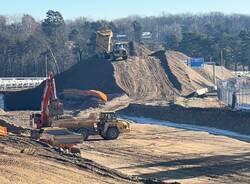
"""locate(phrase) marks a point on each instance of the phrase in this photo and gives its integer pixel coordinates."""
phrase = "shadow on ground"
(210, 166)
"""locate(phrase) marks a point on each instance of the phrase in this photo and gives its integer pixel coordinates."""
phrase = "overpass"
(8, 84)
(242, 73)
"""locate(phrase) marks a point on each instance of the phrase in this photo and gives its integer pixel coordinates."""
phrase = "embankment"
(222, 118)
(91, 73)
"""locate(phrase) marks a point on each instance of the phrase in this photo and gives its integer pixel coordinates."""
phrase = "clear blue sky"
(111, 9)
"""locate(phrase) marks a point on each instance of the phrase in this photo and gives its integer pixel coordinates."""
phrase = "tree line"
(27, 46)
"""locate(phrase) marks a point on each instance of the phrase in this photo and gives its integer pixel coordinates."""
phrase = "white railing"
(242, 73)
(19, 83)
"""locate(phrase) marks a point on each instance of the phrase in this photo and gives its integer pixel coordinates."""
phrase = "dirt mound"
(184, 78)
(145, 76)
(92, 73)
(157, 75)
(220, 71)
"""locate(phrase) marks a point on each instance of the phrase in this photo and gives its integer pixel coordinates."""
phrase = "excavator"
(51, 107)
(108, 125)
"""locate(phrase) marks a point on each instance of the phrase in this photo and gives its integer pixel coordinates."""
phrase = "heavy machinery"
(107, 49)
(108, 126)
(119, 51)
(60, 137)
(51, 108)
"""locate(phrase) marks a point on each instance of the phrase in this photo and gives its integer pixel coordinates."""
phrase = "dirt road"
(173, 154)
(169, 154)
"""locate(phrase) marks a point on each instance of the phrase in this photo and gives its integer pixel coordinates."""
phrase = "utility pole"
(214, 69)
(214, 75)
(221, 58)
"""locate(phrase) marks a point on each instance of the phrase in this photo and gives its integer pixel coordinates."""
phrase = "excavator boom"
(50, 105)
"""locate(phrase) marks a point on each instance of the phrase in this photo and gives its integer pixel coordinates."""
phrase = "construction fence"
(235, 92)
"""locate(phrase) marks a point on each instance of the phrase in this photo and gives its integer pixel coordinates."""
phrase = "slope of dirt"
(173, 154)
(184, 78)
(146, 76)
(23, 160)
(143, 78)
(19, 168)
(92, 73)
(221, 72)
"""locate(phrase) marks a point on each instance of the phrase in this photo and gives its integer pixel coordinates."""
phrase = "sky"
(113, 9)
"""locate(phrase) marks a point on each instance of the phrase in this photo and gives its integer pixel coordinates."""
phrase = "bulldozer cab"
(119, 46)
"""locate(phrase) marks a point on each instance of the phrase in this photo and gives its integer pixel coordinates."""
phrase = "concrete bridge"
(8, 84)
(242, 73)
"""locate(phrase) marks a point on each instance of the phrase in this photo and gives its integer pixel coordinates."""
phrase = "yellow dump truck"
(107, 125)
(104, 41)
(108, 50)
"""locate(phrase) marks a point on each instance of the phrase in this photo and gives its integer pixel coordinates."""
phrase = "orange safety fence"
(96, 93)
(3, 131)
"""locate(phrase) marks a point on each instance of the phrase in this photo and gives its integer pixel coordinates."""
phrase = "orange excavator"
(50, 119)
(51, 108)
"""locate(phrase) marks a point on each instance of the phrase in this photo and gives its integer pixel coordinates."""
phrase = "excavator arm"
(50, 105)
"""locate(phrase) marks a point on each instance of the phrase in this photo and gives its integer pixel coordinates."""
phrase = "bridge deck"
(19, 83)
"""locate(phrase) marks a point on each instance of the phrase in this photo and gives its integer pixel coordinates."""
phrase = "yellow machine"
(104, 40)
(108, 50)
(110, 126)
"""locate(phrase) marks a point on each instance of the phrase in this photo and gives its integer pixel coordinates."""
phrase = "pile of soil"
(146, 75)
(184, 78)
(92, 73)
(144, 78)
(221, 72)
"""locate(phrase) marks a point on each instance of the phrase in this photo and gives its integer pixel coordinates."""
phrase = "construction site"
(128, 114)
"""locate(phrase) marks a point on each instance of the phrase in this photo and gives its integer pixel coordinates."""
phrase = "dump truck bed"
(60, 136)
(74, 123)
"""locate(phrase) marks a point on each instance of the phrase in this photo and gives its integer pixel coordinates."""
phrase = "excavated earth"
(23, 160)
(148, 151)
(151, 76)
